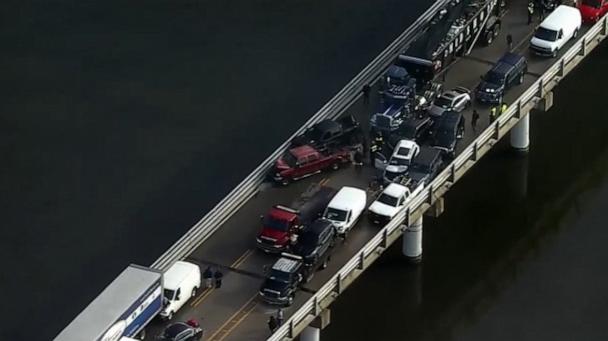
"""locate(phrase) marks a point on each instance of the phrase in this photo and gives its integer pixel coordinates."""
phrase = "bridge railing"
(416, 207)
(205, 227)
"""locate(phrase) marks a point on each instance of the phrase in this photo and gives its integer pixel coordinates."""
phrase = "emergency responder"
(503, 108)
(530, 11)
(376, 147)
(493, 113)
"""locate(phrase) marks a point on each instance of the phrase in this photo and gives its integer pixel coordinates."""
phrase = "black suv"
(414, 129)
(343, 131)
(449, 129)
(283, 280)
(425, 166)
(314, 245)
(508, 71)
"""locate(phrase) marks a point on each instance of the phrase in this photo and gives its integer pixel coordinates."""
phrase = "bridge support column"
(412, 241)
(310, 334)
(520, 135)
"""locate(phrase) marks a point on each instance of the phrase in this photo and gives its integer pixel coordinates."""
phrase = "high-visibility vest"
(493, 112)
(503, 108)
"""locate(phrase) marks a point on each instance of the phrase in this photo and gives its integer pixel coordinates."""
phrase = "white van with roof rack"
(556, 30)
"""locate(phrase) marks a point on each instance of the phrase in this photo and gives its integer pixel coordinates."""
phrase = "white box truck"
(122, 309)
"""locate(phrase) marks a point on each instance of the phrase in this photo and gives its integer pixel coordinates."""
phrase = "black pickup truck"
(345, 131)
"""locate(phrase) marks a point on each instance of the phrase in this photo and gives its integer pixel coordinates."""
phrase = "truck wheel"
(194, 290)
(575, 34)
(554, 54)
(335, 166)
(324, 265)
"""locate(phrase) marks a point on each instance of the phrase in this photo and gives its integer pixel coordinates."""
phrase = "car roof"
(449, 118)
(284, 264)
(302, 151)
(282, 213)
(173, 277)
(175, 329)
(327, 125)
(555, 20)
(427, 155)
(346, 198)
(406, 143)
(395, 190)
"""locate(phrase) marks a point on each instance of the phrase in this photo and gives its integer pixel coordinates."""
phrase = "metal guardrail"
(415, 208)
(205, 227)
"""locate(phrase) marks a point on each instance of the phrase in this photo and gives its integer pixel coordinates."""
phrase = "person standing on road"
(366, 90)
(503, 108)
(530, 11)
(474, 120)
(510, 41)
(493, 113)
(218, 278)
(208, 277)
(280, 317)
(272, 324)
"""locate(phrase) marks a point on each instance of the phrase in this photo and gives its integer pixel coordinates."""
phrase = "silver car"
(456, 99)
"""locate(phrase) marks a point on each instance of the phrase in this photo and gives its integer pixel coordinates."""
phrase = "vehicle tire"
(554, 54)
(290, 299)
(489, 37)
(575, 34)
(335, 166)
(324, 265)
(285, 182)
(194, 290)
(170, 316)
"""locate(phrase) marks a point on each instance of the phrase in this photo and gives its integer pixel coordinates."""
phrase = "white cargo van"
(181, 282)
(345, 208)
(556, 30)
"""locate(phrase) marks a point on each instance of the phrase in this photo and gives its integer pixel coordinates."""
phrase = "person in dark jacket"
(474, 120)
(218, 278)
(208, 277)
(272, 324)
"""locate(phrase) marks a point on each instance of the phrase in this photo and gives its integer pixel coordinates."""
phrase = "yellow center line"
(235, 320)
(242, 259)
(202, 297)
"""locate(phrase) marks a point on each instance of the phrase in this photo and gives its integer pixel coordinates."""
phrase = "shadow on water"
(510, 219)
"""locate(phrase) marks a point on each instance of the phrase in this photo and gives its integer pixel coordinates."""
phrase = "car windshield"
(403, 151)
(278, 275)
(494, 78)
(443, 102)
(169, 294)
(314, 134)
(290, 159)
(275, 224)
(545, 34)
(397, 161)
(335, 214)
(593, 3)
(388, 200)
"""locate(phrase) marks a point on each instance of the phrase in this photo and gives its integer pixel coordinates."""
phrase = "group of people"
(210, 276)
(274, 322)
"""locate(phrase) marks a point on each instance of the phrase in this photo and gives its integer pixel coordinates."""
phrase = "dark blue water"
(123, 122)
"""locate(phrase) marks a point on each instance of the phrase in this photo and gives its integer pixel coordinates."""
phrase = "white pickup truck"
(345, 208)
(390, 201)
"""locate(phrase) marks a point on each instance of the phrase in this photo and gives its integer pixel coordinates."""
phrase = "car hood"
(272, 233)
(396, 169)
(487, 85)
(542, 43)
(271, 284)
(383, 209)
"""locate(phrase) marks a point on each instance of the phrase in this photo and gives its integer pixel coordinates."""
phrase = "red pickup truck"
(303, 161)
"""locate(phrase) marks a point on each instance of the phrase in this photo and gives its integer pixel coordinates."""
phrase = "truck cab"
(345, 209)
(181, 282)
(282, 280)
(282, 224)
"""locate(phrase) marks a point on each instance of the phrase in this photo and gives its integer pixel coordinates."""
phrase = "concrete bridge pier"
(412, 241)
(310, 334)
(520, 135)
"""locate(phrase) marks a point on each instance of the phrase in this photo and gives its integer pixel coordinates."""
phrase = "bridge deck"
(234, 312)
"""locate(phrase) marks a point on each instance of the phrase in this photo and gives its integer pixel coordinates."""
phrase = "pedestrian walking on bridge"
(272, 324)
(218, 278)
(474, 120)
(208, 277)
(530, 11)
(280, 317)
